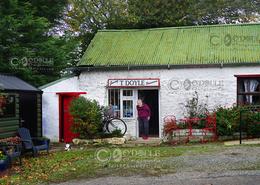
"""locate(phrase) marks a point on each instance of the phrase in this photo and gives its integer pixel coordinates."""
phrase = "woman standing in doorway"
(144, 114)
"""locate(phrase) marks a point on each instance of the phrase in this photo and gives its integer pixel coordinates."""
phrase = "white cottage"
(165, 67)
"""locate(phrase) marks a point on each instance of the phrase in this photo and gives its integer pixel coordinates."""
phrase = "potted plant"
(3, 161)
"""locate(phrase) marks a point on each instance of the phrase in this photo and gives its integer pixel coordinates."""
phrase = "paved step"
(141, 142)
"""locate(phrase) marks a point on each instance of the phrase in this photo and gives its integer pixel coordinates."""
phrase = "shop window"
(127, 92)
(128, 108)
(7, 106)
(114, 101)
(122, 102)
(248, 91)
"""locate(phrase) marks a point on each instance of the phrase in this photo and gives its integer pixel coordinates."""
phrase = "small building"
(20, 106)
(165, 67)
(56, 100)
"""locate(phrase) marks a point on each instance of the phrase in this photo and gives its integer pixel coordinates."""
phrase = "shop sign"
(144, 82)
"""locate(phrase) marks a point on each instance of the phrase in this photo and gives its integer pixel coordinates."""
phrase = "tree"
(28, 46)
(161, 13)
(85, 17)
(225, 11)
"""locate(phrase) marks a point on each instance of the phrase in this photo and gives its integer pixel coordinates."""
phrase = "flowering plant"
(170, 124)
(2, 156)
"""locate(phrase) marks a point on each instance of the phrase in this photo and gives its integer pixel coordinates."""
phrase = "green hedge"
(228, 121)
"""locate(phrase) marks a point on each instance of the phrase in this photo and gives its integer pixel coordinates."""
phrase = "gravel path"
(186, 178)
(237, 158)
(230, 166)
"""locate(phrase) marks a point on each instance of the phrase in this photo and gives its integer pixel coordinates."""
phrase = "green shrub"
(228, 120)
(253, 124)
(87, 117)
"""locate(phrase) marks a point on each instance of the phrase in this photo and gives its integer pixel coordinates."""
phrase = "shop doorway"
(150, 97)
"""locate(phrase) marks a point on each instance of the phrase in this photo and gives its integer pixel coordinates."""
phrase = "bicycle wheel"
(116, 124)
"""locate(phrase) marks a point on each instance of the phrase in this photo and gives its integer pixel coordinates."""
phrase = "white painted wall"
(50, 106)
(172, 92)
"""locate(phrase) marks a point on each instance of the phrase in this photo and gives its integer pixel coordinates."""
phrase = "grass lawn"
(102, 161)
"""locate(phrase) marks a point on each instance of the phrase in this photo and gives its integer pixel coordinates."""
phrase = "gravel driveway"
(186, 178)
(231, 166)
(235, 158)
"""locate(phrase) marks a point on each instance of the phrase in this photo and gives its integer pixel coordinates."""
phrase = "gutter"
(77, 70)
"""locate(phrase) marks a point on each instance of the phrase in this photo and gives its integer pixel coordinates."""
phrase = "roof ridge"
(55, 82)
(178, 27)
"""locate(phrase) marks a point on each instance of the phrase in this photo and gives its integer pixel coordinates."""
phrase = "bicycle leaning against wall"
(111, 123)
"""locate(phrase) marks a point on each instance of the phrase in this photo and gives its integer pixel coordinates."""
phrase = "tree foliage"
(26, 46)
(85, 17)
(161, 13)
(226, 11)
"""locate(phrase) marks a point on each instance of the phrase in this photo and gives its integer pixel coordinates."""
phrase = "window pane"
(249, 85)
(127, 92)
(248, 99)
(249, 89)
(7, 106)
(241, 87)
(114, 101)
(127, 108)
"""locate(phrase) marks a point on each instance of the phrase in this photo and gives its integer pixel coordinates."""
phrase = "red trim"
(134, 79)
(133, 87)
(70, 93)
(60, 117)
(248, 76)
(159, 82)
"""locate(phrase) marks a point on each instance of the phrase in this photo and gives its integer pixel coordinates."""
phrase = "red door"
(66, 120)
(68, 135)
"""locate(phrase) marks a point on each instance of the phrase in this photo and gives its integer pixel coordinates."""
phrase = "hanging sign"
(140, 82)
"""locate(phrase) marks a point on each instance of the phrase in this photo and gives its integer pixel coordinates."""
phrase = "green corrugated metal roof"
(215, 44)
